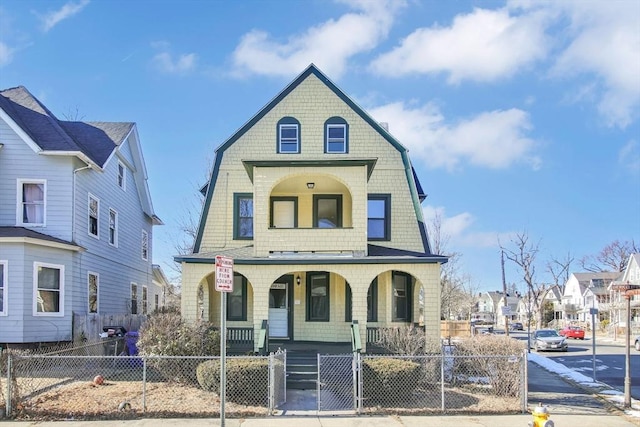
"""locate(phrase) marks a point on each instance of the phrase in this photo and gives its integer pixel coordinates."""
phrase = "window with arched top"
(336, 135)
(288, 131)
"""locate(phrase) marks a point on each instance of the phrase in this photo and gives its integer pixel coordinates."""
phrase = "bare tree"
(613, 257)
(456, 289)
(560, 270)
(523, 253)
(73, 114)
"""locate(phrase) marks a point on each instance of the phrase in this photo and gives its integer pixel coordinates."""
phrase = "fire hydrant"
(541, 417)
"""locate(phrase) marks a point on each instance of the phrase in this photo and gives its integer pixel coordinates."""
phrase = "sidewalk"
(586, 420)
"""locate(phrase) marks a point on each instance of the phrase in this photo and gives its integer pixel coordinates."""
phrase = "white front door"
(279, 311)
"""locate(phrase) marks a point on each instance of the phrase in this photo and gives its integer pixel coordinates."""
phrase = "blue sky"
(520, 116)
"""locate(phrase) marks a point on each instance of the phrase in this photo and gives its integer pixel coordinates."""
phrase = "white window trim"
(344, 142)
(5, 287)
(35, 289)
(115, 236)
(19, 183)
(89, 274)
(95, 236)
(142, 240)
(124, 176)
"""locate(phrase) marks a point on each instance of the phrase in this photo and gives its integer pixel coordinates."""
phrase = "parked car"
(516, 326)
(548, 339)
(574, 332)
(638, 343)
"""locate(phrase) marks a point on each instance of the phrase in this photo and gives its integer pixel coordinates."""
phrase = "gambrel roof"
(417, 193)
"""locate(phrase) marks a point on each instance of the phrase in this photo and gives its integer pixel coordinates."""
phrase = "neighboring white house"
(584, 291)
(76, 221)
(631, 275)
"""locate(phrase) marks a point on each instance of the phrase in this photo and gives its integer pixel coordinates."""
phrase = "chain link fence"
(443, 383)
(63, 387)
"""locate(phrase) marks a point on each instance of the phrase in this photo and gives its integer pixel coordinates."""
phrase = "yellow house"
(319, 207)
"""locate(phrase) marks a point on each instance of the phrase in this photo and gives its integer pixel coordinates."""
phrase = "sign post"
(224, 285)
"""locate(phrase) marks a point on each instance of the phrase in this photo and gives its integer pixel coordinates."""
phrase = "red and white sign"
(224, 274)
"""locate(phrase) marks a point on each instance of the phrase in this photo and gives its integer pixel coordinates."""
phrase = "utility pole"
(504, 289)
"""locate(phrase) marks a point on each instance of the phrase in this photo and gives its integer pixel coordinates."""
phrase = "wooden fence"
(88, 327)
(455, 328)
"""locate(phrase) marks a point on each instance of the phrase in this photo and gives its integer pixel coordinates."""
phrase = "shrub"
(167, 334)
(389, 380)
(247, 379)
(488, 359)
(408, 340)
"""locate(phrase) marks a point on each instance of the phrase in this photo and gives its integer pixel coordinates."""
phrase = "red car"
(574, 332)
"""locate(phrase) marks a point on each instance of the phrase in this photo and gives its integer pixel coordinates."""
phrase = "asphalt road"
(610, 363)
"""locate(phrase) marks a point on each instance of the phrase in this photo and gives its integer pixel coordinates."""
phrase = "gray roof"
(96, 140)
(27, 233)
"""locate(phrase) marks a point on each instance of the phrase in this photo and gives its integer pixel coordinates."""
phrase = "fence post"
(354, 377)
(272, 385)
(524, 381)
(144, 384)
(8, 399)
(360, 383)
(318, 385)
(442, 361)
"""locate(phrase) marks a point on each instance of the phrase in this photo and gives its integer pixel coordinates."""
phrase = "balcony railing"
(310, 240)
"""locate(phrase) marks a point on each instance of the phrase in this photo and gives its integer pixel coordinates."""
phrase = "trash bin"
(131, 341)
(113, 340)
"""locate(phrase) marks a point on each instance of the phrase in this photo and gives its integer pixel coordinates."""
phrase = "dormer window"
(288, 135)
(336, 135)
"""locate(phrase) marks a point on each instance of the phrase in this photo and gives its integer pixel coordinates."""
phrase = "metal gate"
(337, 382)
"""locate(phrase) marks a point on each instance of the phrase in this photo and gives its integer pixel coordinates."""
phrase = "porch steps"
(302, 369)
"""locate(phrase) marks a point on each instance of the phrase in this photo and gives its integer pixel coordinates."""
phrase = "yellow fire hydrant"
(541, 417)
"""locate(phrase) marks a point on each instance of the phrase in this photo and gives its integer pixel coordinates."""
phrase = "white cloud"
(53, 18)
(329, 45)
(455, 230)
(6, 54)
(494, 139)
(604, 44)
(629, 156)
(182, 65)
(484, 45)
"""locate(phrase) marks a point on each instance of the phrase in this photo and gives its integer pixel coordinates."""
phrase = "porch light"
(298, 280)
(311, 185)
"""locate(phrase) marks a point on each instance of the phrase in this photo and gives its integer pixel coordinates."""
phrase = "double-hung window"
(145, 301)
(93, 292)
(336, 135)
(134, 298)
(401, 297)
(379, 217)
(3, 287)
(94, 216)
(113, 227)
(318, 297)
(31, 208)
(145, 245)
(372, 301)
(121, 176)
(237, 300)
(288, 135)
(48, 289)
(243, 216)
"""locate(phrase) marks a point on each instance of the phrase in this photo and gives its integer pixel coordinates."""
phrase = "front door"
(279, 309)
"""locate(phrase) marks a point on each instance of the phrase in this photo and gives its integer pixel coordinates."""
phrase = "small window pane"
(318, 298)
(245, 217)
(93, 293)
(48, 292)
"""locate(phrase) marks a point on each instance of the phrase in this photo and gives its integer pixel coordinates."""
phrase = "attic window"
(336, 135)
(288, 135)
(121, 176)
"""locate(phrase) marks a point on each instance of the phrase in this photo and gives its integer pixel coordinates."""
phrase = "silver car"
(548, 339)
